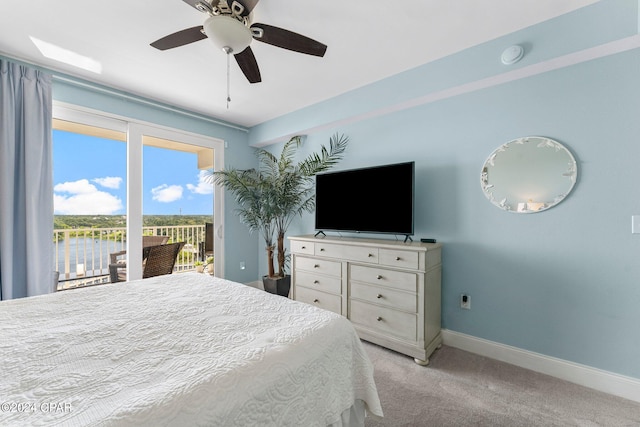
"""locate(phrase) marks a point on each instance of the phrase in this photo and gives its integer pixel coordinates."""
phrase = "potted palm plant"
(272, 195)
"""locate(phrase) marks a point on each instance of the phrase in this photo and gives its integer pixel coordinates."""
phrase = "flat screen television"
(377, 199)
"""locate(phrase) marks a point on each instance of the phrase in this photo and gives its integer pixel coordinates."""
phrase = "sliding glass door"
(169, 184)
(140, 180)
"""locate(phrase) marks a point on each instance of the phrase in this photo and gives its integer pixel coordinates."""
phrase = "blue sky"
(89, 178)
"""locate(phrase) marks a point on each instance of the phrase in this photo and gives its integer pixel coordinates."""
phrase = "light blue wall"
(603, 22)
(564, 282)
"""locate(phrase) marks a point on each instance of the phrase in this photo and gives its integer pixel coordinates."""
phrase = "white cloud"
(203, 186)
(84, 198)
(167, 193)
(109, 181)
(80, 186)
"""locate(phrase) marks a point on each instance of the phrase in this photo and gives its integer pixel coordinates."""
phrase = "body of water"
(88, 252)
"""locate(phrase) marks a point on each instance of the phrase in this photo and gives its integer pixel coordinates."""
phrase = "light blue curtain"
(26, 182)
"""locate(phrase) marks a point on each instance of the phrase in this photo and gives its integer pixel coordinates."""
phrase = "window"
(113, 172)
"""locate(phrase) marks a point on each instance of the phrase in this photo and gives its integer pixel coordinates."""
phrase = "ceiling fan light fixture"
(227, 32)
(204, 7)
(237, 8)
(257, 32)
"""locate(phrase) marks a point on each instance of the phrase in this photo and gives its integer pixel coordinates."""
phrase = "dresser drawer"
(346, 252)
(321, 266)
(381, 277)
(386, 320)
(320, 299)
(317, 281)
(384, 296)
(399, 258)
(298, 247)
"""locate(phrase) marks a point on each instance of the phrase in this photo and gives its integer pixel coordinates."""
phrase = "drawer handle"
(316, 266)
(370, 255)
(315, 282)
(379, 296)
(379, 319)
(398, 258)
(316, 300)
(304, 247)
(321, 249)
(379, 277)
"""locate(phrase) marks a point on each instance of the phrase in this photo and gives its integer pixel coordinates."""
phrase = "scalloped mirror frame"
(529, 175)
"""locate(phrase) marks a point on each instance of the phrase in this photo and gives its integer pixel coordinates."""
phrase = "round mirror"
(529, 174)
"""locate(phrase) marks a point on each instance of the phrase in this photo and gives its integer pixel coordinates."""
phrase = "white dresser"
(390, 290)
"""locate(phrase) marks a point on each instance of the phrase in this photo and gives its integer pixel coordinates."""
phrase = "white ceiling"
(367, 41)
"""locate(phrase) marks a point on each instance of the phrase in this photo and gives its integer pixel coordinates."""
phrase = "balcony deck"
(82, 254)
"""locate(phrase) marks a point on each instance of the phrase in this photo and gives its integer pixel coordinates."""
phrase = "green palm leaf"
(270, 197)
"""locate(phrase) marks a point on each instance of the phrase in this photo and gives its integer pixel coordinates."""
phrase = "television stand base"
(320, 233)
(407, 238)
(391, 291)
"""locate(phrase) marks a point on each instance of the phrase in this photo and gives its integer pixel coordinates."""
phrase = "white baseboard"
(600, 380)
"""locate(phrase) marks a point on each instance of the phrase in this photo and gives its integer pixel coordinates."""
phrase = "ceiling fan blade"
(288, 40)
(180, 38)
(248, 64)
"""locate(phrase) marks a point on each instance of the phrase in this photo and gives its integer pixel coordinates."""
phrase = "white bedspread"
(185, 349)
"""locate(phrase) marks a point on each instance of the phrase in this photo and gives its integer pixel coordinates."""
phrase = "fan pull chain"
(228, 78)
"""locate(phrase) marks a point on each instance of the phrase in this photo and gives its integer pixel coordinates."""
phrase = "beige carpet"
(463, 389)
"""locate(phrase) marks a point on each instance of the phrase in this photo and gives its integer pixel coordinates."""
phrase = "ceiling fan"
(229, 27)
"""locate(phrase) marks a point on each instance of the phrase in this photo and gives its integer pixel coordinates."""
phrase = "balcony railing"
(82, 254)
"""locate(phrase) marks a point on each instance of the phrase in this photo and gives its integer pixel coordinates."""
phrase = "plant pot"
(277, 285)
(210, 268)
(200, 268)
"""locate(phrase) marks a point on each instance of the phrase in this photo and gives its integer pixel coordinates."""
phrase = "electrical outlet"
(242, 265)
(465, 301)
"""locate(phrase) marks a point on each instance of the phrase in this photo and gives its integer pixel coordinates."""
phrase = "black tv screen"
(369, 200)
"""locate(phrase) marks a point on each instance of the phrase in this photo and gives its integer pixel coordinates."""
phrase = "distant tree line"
(114, 221)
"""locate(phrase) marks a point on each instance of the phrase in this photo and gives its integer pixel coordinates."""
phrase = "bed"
(183, 349)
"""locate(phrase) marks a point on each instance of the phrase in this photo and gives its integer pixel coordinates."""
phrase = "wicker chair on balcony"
(156, 261)
(146, 242)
